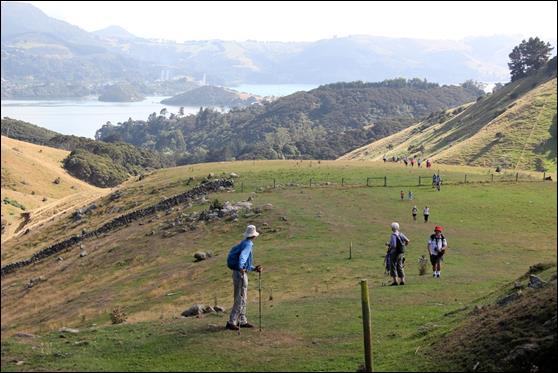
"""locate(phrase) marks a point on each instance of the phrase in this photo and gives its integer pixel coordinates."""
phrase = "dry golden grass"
(28, 172)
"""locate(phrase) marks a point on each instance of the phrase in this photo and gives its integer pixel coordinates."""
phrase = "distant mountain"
(212, 96)
(322, 123)
(115, 32)
(515, 127)
(41, 50)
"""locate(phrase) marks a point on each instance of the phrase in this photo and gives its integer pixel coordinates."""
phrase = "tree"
(181, 111)
(527, 57)
(164, 111)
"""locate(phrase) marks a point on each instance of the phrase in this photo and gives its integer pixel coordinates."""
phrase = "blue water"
(82, 117)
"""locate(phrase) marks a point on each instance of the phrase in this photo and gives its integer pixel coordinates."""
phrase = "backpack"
(433, 237)
(400, 248)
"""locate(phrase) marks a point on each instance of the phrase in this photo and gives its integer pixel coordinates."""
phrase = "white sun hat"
(395, 226)
(251, 231)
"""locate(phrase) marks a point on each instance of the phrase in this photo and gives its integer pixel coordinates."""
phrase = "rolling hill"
(515, 128)
(35, 183)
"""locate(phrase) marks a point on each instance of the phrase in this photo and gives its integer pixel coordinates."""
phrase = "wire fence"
(250, 185)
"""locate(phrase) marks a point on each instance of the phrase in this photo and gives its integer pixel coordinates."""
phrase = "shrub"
(118, 316)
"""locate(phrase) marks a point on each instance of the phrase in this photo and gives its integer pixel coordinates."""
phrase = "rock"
(211, 175)
(81, 343)
(209, 254)
(219, 309)
(234, 175)
(82, 253)
(208, 309)
(34, 281)
(59, 259)
(200, 255)
(25, 335)
(509, 298)
(20, 362)
(284, 218)
(68, 330)
(267, 206)
(535, 282)
(195, 310)
(522, 354)
(114, 196)
(250, 199)
(245, 205)
(518, 285)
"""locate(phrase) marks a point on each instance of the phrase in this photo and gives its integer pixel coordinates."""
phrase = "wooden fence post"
(351, 250)
(242, 187)
(420, 181)
(367, 181)
(516, 176)
(492, 177)
(465, 178)
(342, 181)
(385, 181)
(273, 183)
(366, 326)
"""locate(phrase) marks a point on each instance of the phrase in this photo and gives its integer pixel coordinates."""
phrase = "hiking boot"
(438, 275)
(393, 284)
(246, 325)
(402, 283)
(230, 326)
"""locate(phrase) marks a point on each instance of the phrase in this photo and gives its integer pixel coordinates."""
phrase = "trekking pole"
(260, 297)
(238, 317)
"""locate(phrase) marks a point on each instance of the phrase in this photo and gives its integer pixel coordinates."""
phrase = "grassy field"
(311, 293)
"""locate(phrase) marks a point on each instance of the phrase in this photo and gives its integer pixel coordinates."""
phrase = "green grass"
(495, 232)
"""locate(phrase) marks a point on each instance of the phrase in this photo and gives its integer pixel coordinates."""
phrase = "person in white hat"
(239, 261)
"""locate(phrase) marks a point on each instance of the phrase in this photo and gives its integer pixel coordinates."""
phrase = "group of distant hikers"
(408, 161)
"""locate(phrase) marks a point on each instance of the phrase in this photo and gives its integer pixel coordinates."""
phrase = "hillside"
(96, 162)
(29, 173)
(515, 128)
(322, 123)
(212, 96)
(147, 267)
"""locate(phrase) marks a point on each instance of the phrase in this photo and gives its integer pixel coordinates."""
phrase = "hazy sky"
(308, 21)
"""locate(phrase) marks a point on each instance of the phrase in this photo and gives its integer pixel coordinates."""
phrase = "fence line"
(383, 181)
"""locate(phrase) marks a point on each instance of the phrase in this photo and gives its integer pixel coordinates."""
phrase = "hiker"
(437, 245)
(419, 162)
(385, 159)
(410, 196)
(428, 164)
(405, 161)
(239, 261)
(434, 178)
(412, 162)
(402, 195)
(396, 251)
(414, 212)
(426, 213)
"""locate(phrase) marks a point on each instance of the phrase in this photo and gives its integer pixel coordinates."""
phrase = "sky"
(309, 21)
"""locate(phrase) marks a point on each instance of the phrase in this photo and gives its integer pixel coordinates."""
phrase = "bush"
(118, 316)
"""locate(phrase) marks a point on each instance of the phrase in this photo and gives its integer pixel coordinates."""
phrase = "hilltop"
(514, 127)
(308, 212)
(212, 96)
